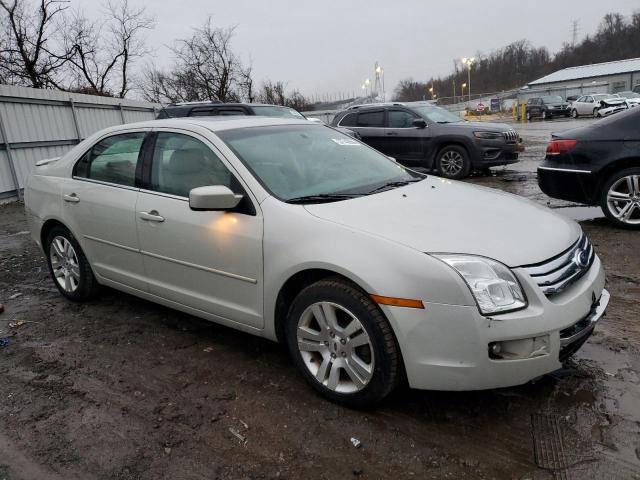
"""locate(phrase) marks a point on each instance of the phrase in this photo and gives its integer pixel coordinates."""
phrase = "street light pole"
(468, 62)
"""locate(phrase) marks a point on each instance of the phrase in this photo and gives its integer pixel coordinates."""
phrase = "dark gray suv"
(420, 134)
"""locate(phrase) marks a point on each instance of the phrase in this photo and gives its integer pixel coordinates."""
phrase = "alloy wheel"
(451, 163)
(64, 263)
(623, 199)
(335, 347)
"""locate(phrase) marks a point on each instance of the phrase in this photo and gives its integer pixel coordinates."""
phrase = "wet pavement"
(120, 388)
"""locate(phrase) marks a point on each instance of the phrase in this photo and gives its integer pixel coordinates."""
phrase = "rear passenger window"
(230, 111)
(349, 120)
(181, 163)
(202, 112)
(112, 160)
(371, 119)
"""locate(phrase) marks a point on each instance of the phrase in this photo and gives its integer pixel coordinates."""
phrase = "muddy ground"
(120, 388)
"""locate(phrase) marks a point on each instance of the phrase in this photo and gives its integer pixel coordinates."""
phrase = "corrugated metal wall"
(42, 124)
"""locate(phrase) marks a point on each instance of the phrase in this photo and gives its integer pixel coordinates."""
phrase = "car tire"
(68, 266)
(544, 114)
(453, 162)
(528, 116)
(574, 113)
(325, 321)
(596, 113)
(613, 202)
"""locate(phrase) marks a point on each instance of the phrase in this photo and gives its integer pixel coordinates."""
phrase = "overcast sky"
(330, 46)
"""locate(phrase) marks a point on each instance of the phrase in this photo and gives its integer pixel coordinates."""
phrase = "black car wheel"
(342, 343)
(528, 115)
(453, 162)
(544, 114)
(620, 198)
(68, 266)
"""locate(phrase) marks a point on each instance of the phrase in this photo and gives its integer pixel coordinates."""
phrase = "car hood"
(437, 215)
(500, 127)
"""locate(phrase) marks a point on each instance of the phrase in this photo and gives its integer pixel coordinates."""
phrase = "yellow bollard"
(524, 108)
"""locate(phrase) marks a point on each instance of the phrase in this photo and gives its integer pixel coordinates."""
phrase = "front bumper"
(495, 155)
(447, 347)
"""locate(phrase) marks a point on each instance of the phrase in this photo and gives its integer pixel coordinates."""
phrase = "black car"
(598, 165)
(547, 107)
(420, 134)
(214, 108)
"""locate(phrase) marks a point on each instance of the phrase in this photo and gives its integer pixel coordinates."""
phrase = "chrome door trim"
(200, 267)
(107, 184)
(112, 244)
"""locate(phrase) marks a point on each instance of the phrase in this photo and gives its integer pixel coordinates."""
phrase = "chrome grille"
(558, 273)
(511, 136)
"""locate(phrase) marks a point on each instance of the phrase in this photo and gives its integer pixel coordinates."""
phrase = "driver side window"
(181, 163)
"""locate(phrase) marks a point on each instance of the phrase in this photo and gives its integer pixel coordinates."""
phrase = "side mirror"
(215, 197)
(420, 123)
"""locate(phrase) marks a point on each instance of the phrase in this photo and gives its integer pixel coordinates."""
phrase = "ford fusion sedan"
(368, 272)
(420, 134)
(598, 165)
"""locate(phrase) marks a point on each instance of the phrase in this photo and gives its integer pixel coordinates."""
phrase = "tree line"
(515, 65)
(48, 44)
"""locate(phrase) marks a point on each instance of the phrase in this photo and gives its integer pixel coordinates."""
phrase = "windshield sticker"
(346, 142)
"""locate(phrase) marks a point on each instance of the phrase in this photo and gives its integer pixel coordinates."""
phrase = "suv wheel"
(620, 198)
(528, 116)
(453, 162)
(342, 343)
(68, 266)
(544, 114)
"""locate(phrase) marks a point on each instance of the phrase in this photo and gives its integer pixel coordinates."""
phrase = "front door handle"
(151, 216)
(72, 198)
(392, 133)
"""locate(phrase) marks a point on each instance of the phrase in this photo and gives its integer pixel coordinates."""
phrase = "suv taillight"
(557, 147)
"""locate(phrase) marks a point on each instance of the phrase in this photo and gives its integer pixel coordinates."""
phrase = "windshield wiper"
(322, 197)
(390, 185)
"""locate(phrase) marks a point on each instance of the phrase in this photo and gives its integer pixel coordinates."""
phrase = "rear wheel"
(453, 162)
(620, 198)
(544, 114)
(342, 344)
(68, 266)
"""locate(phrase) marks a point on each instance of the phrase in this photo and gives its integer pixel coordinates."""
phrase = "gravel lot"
(120, 388)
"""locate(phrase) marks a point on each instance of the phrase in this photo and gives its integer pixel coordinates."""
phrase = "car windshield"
(629, 94)
(436, 114)
(275, 111)
(552, 99)
(602, 96)
(294, 161)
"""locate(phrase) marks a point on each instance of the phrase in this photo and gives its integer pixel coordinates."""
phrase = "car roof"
(214, 123)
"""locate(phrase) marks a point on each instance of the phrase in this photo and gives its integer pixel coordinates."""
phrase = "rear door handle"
(151, 216)
(392, 133)
(73, 198)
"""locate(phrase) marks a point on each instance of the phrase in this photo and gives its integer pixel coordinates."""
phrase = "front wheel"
(574, 113)
(544, 115)
(342, 343)
(528, 116)
(596, 113)
(620, 198)
(453, 162)
(68, 266)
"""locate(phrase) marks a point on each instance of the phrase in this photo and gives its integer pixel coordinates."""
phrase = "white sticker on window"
(345, 142)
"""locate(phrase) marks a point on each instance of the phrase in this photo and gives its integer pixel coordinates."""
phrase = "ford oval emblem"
(581, 259)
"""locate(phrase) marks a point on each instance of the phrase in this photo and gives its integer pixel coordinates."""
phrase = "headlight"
(488, 135)
(494, 286)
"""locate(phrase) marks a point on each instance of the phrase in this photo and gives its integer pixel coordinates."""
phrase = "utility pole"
(574, 32)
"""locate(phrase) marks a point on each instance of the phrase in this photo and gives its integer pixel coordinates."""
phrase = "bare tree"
(103, 51)
(27, 53)
(205, 68)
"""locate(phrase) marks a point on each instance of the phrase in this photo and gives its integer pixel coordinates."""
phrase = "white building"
(608, 77)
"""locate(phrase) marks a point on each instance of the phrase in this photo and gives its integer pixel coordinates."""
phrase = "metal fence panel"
(41, 124)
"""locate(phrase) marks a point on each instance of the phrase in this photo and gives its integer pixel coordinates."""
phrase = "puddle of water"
(580, 214)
